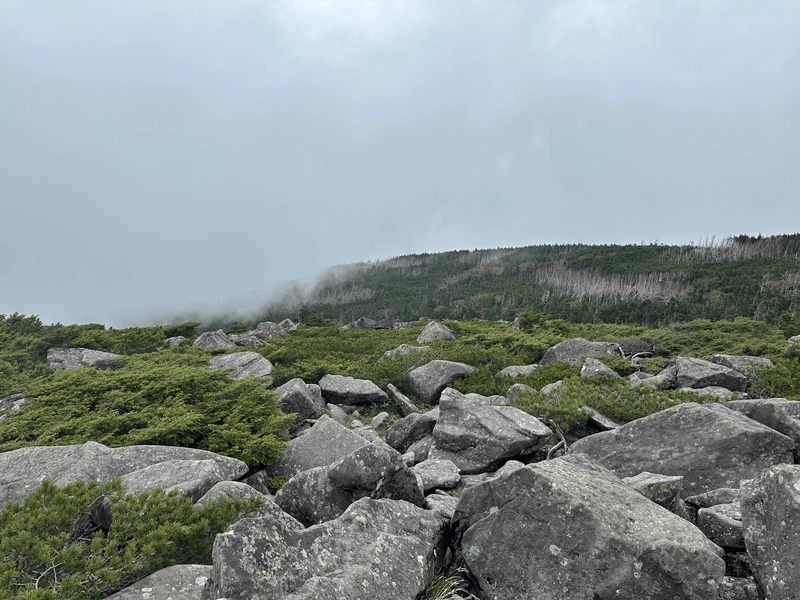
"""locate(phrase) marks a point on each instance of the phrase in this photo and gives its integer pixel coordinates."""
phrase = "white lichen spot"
(493, 510)
(200, 580)
(564, 562)
(421, 560)
(474, 551)
(555, 550)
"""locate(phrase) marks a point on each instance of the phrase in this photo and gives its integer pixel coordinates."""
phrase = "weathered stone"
(638, 376)
(435, 331)
(664, 490)
(229, 489)
(402, 350)
(246, 340)
(744, 364)
(516, 390)
(593, 367)
(568, 529)
(777, 413)
(437, 474)
(722, 524)
(179, 582)
(600, 422)
(379, 420)
(296, 397)
(517, 370)
(325, 443)
(213, 340)
(495, 400)
(575, 350)
(552, 387)
(378, 549)
(736, 588)
(405, 405)
(636, 345)
(268, 330)
(477, 438)
(428, 381)
(714, 391)
(443, 503)
(770, 506)
(287, 325)
(242, 364)
(11, 403)
(337, 414)
(422, 448)
(710, 445)
(175, 341)
(74, 358)
(192, 478)
(340, 389)
(714, 497)
(696, 373)
(667, 376)
(362, 323)
(311, 497)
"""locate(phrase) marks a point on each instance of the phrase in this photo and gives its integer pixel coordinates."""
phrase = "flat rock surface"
(192, 478)
(73, 358)
(428, 381)
(709, 445)
(179, 582)
(697, 373)
(575, 350)
(213, 340)
(242, 364)
(435, 331)
(568, 529)
(347, 390)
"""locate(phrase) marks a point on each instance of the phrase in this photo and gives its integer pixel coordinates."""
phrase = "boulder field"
(696, 502)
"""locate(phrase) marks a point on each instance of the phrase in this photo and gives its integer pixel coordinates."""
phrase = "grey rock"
(437, 474)
(777, 413)
(213, 340)
(510, 467)
(379, 420)
(378, 549)
(405, 405)
(714, 391)
(422, 448)
(495, 400)
(568, 529)
(593, 367)
(638, 376)
(428, 381)
(600, 422)
(477, 438)
(268, 330)
(795, 339)
(229, 489)
(714, 497)
(22, 471)
(516, 390)
(337, 414)
(74, 358)
(744, 364)
(696, 373)
(517, 370)
(575, 350)
(311, 497)
(636, 345)
(370, 435)
(246, 340)
(770, 506)
(664, 490)
(325, 443)
(296, 397)
(551, 387)
(737, 588)
(192, 478)
(710, 445)
(287, 325)
(409, 459)
(435, 331)
(175, 341)
(340, 389)
(179, 582)
(667, 376)
(362, 323)
(402, 350)
(242, 364)
(443, 503)
(722, 524)
(356, 424)
(11, 403)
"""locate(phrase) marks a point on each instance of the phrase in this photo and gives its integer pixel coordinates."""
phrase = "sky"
(164, 155)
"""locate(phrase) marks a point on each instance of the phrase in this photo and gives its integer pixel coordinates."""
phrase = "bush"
(51, 550)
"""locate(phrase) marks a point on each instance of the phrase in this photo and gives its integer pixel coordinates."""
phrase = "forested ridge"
(647, 284)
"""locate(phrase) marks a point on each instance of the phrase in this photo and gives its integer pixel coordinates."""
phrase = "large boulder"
(191, 478)
(347, 390)
(777, 413)
(515, 371)
(593, 367)
(696, 373)
(242, 364)
(743, 364)
(404, 432)
(402, 350)
(568, 529)
(404, 405)
(324, 493)
(378, 549)
(268, 329)
(229, 489)
(74, 358)
(770, 506)
(709, 445)
(428, 381)
(437, 474)
(296, 397)
(325, 443)
(179, 582)
(435, 331)
(214, 340)
(22, 471)
(575, 350)
(478, 438)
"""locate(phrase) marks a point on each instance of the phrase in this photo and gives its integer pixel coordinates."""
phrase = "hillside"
(651, 284)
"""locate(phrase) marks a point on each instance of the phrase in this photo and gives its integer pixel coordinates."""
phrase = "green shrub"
(50, 550)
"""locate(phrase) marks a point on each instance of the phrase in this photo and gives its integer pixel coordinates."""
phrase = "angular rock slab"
(770, 507)
(428, 381)
(192, 478)
(377, 550)
(296, 397)
(347, 390)
(743, 364)
(515, 371)
(214, 340)
(593, 367)
(405, 405)
(575, 350)
(435, 331)
(442, 474)
(568, 529)
(709, 445)
(73, 358)
(477, 438)
(408, 430)
(696, 373)
(777, 413)
(243, 364)
(179, 582)
(325, 443)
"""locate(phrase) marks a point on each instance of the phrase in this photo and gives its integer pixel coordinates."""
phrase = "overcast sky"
(159, 153)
